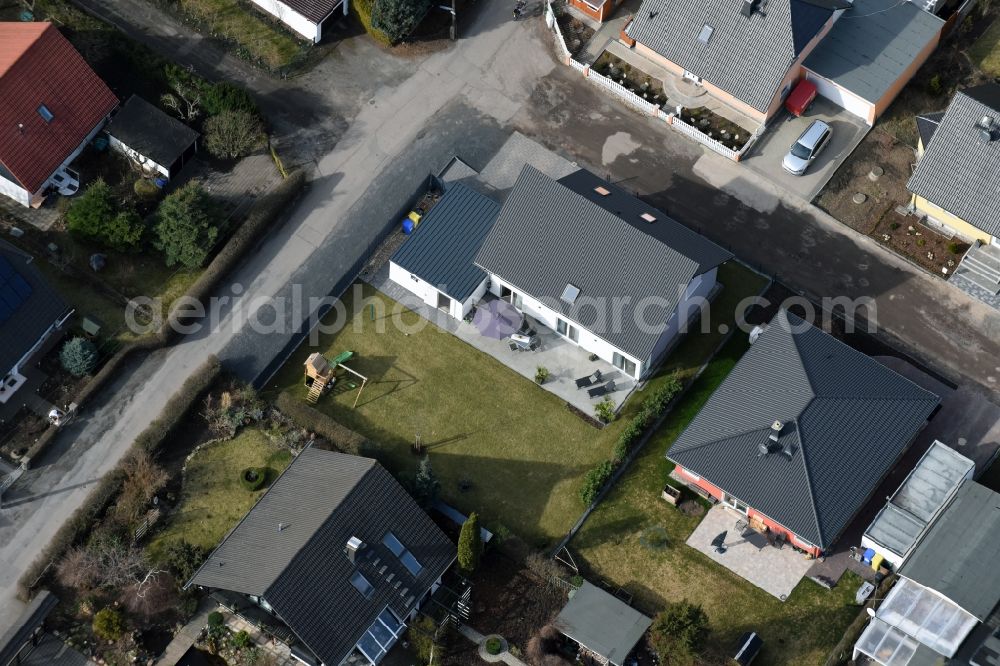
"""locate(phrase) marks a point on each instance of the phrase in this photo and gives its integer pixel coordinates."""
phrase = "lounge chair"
(599, 391)
(584, 382)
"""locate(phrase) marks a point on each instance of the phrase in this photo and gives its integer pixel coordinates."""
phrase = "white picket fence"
(703, 139)
(622, 93)
(550, 20)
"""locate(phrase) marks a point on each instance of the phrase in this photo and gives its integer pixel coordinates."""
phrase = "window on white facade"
(625, 364)
(567, 330)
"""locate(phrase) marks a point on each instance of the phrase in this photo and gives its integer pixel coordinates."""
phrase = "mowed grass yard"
(212, 497)
(985, 52)
(521, 450)
(802, 630)
(257, 37)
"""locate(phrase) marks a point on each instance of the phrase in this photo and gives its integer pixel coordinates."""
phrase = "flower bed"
(716, 127)
(633, 78)
(575, 32)
(919, 243)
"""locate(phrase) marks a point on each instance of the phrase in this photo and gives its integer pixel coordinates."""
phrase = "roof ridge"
(371, 467)
(260, 499)
(717, 441)
(808, 476)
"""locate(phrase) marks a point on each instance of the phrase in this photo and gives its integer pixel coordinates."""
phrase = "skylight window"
(362, 585)
(648, 217)
(705, 34)
(603, 191)
(405, 557)
(44, 112)
(570, 293)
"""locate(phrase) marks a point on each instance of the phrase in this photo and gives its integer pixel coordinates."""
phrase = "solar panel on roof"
(14, 290)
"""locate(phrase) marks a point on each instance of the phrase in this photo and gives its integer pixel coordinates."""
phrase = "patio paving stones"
(775, 570)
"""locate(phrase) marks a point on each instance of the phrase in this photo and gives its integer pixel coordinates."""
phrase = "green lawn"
(255, 35)
(985, 52)
(523, 452)
(802, 630)
(212, 497)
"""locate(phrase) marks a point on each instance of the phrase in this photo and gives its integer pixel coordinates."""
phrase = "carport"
(871, 52)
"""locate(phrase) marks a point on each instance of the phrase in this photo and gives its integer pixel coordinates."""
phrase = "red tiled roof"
(39, 66)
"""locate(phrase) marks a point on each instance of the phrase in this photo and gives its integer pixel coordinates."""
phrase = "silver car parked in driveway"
(809, 144)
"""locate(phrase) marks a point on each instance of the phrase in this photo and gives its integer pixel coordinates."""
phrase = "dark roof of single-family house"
(28, 305)
(51, 101)
(957, 556)
(291, 550)
(746, 56)
(638, 213)
(443, 247)
(927, 124)
(872, 45)
(547, 236)
(602, 623)
(150, 132)
(841, 421)
(960, 168)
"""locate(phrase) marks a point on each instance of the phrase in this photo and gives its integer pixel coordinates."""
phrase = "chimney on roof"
(20, 128)
(986, 129)
(749, 7)
(776, 429)
(354, 545)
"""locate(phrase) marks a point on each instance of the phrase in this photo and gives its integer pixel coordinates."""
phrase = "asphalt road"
(942, 327)
(405, 127)
(373, 125)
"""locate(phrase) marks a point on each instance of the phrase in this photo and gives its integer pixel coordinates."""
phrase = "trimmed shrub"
(341, 437)
(594, 480)
(493, 645)
(217, 98)
(78, 357)
(182, 558)
(363, 10)
(241, 639)
(425, 486)
(955, 248)
(108, 624)
(678, 632)
(187, 226)
(145, 188)
(399, 18)
(233, 134)
(541, 374)
(97, 215)
(253, 478)
(215, 620)
(470, 544)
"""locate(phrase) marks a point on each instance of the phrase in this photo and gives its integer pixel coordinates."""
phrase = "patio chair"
(584, 382)
(599, 391)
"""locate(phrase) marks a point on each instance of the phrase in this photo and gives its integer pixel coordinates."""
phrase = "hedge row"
(363, 10)
(316, 421)
(652, 408)
(260, 219)
(76, 528)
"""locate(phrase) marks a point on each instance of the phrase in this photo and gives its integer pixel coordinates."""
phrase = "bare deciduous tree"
(143, 479)
(233, 134)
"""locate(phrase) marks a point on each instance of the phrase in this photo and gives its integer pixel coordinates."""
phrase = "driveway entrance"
(765, 157)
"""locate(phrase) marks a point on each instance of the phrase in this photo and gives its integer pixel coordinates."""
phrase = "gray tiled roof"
(746, 57)
(602, 623)
(289, 549)
(958, 556)
(547, 236)
(31, 317)
(927, 124)
(151, 132)
(872, 44)
(959, 171)
(847, 420)
(443, 248)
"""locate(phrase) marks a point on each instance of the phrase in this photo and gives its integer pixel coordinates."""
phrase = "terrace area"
(776, 569)
(567, 363)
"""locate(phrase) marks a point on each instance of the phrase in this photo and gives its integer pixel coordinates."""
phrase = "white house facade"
(305, 17)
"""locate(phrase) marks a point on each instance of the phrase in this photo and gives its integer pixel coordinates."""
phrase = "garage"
(861, 65)
(842, 98)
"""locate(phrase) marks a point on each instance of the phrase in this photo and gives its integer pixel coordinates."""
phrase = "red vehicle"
(801, 98)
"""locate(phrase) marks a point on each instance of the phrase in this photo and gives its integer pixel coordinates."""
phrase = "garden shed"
(154, 140)
(602, 625)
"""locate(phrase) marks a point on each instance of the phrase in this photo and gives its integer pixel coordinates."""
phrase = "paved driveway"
(766, 156)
